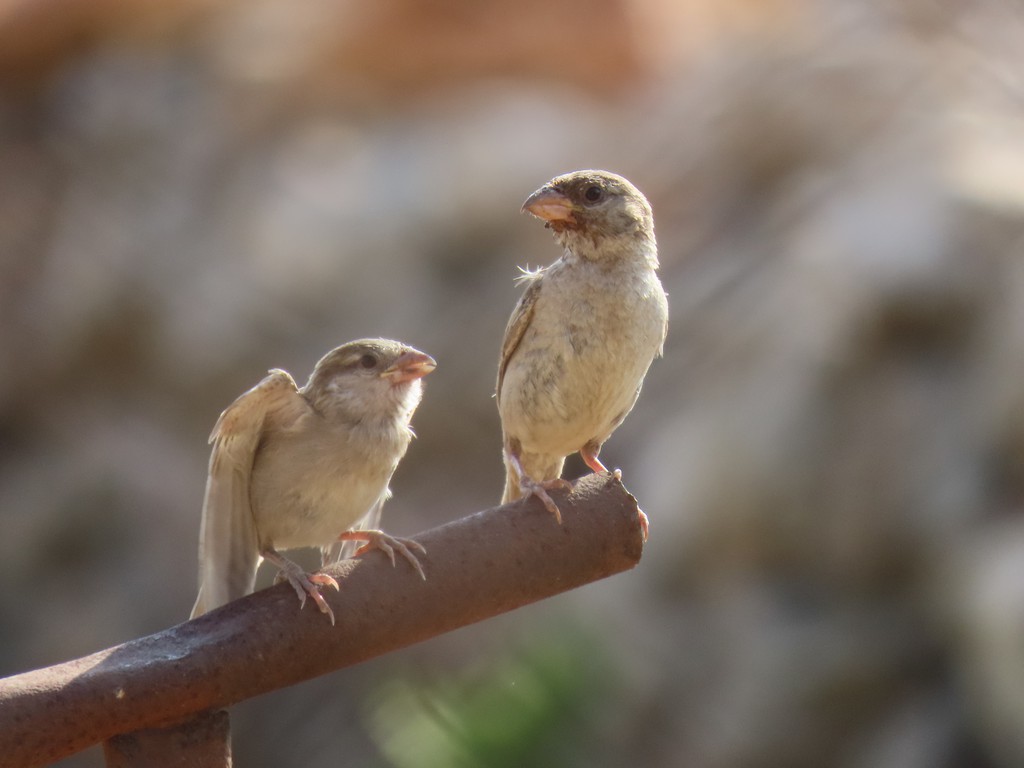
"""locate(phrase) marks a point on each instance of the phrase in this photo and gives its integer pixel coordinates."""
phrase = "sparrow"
(308, 467)
(583, 334)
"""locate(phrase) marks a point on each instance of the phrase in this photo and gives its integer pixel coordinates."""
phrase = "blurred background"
(831, 451)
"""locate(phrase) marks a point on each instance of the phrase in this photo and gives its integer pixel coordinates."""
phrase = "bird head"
(369, 377)
(594, 213)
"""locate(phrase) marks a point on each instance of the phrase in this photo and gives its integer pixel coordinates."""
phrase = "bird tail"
(221, 585)
(202, 604)
(224, 580)
(512, 489)
(228, 544)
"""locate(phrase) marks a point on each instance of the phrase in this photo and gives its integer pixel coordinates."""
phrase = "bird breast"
(309, 487)
(580, 363)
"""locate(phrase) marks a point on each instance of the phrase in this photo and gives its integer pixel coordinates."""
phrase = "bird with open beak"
(308, 467)
(583, 334)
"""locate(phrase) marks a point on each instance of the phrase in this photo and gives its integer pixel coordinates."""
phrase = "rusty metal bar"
(477, 567)
(203, 741)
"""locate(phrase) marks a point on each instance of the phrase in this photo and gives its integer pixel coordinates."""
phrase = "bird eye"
(593, 194)
(368, 361)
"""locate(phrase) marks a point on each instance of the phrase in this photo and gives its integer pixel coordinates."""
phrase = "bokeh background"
(831, 451)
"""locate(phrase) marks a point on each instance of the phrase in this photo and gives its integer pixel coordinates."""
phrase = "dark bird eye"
(593, 194)
(368, 361)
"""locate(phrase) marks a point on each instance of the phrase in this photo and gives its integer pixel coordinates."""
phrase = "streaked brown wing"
(518, 323)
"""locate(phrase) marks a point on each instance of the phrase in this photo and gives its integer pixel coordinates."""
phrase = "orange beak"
(409, 367)
(550, 205)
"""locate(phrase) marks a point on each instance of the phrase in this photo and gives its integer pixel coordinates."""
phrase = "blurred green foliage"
(532, 706)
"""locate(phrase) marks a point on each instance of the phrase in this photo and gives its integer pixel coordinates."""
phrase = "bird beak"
(552, 206)
(409, 367)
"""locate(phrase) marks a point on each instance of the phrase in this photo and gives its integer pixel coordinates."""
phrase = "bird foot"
(645, 523)
(388, 544)
(614, 473)
(304, 584)
(540, 490)
(598, 467)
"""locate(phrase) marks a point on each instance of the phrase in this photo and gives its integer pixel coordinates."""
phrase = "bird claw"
(645, 524)
(388, 544)
(305, 584)
(540, 490)
(323, 580)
